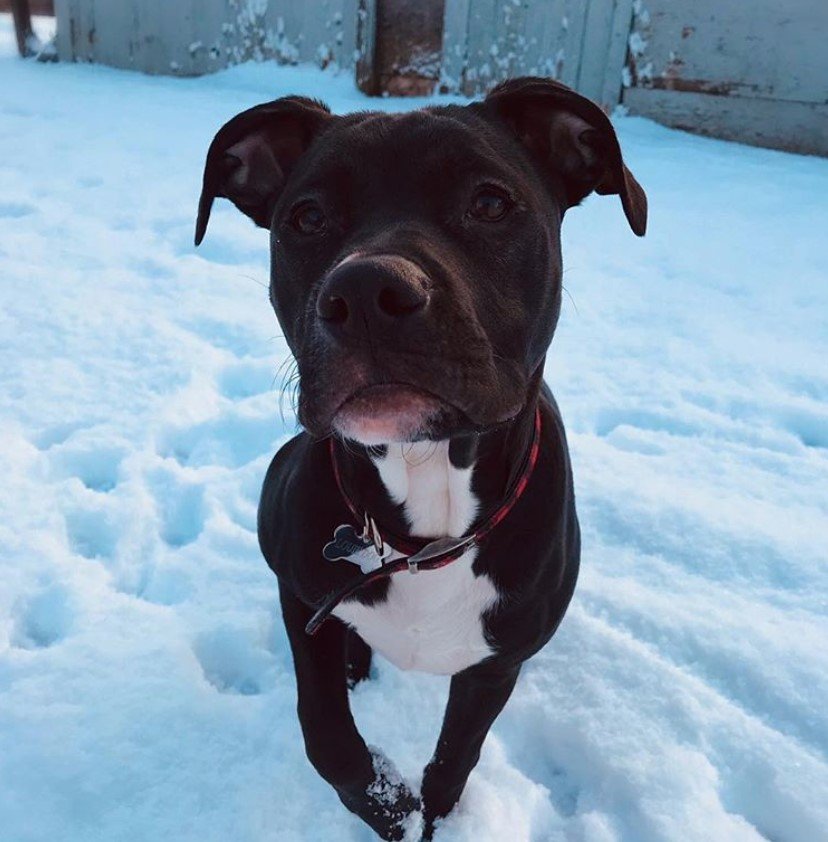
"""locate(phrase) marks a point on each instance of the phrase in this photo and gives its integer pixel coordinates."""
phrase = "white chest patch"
(431, 621)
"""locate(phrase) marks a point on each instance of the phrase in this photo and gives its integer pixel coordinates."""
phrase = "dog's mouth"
(406, 397)
(388, 412)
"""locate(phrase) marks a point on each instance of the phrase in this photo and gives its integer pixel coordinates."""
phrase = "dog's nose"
(377, 292)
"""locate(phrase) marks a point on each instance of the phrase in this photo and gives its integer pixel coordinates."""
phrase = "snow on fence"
(581, 42)
(756, 72)
(192, 37)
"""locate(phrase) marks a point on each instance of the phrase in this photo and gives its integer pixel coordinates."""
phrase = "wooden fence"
(751, 71)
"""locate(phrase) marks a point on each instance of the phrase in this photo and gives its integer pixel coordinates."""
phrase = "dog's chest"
(431, 621)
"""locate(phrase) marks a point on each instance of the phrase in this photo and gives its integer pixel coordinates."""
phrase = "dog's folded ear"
(570, 135)
(251, 157)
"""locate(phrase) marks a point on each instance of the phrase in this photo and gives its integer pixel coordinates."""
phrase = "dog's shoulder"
(298, 510)
(534, 557)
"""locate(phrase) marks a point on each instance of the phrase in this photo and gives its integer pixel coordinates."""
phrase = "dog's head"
(415, 257)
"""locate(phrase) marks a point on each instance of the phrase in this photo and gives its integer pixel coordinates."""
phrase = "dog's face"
(415, 258)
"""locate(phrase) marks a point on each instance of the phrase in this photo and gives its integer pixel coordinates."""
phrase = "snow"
(146, 689)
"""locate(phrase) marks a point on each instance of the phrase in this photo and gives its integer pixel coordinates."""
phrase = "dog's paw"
(439, 796)
(389, 806)
(429, 825)
(396, 818)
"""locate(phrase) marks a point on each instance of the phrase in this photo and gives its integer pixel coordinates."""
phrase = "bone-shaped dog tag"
(359, 549)
(346, 542)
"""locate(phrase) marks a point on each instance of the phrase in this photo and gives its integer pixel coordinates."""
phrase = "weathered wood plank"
(63, 34)
(481, 34)
(763, 49)
(366, 47)
(604, 49)
(553, 45)
(455, 44)
(794, 126)
(574, 25)
(581, 43)
(515, 38)
(190, 37)
(617, 53)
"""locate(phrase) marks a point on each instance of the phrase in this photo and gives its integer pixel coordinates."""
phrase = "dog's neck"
(433, 489)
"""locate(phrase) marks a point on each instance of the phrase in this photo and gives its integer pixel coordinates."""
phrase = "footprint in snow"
(95, 464)
(43, 619)
(56, 434)
(87, 451)
(180, 507)
(231, 440)
(163, 584)
(91, 533)
(811, 428)
(549, 766)
(16, 210)
(232, 663)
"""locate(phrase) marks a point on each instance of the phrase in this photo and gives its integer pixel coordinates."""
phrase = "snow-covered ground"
(146, 689)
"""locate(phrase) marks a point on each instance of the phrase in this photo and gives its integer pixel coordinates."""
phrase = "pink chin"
(385, 414)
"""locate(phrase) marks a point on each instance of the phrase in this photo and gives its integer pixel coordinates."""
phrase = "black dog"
(416, 273)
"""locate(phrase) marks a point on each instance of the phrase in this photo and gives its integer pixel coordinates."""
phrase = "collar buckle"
(442, 550)
(371, 534)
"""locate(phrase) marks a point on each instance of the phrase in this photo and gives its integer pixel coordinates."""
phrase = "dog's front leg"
(365, 782)
(476, 697)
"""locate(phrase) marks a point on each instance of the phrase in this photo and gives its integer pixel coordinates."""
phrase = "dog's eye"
(490, 205)
(308, 219)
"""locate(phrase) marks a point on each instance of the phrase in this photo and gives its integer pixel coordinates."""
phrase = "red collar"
(419, 554)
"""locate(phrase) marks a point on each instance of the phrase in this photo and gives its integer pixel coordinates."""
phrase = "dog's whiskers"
(569, 295)
(289, 385)
(255, 281)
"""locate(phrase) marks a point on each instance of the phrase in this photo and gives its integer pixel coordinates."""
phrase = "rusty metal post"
(27, 43)
(400, 44)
